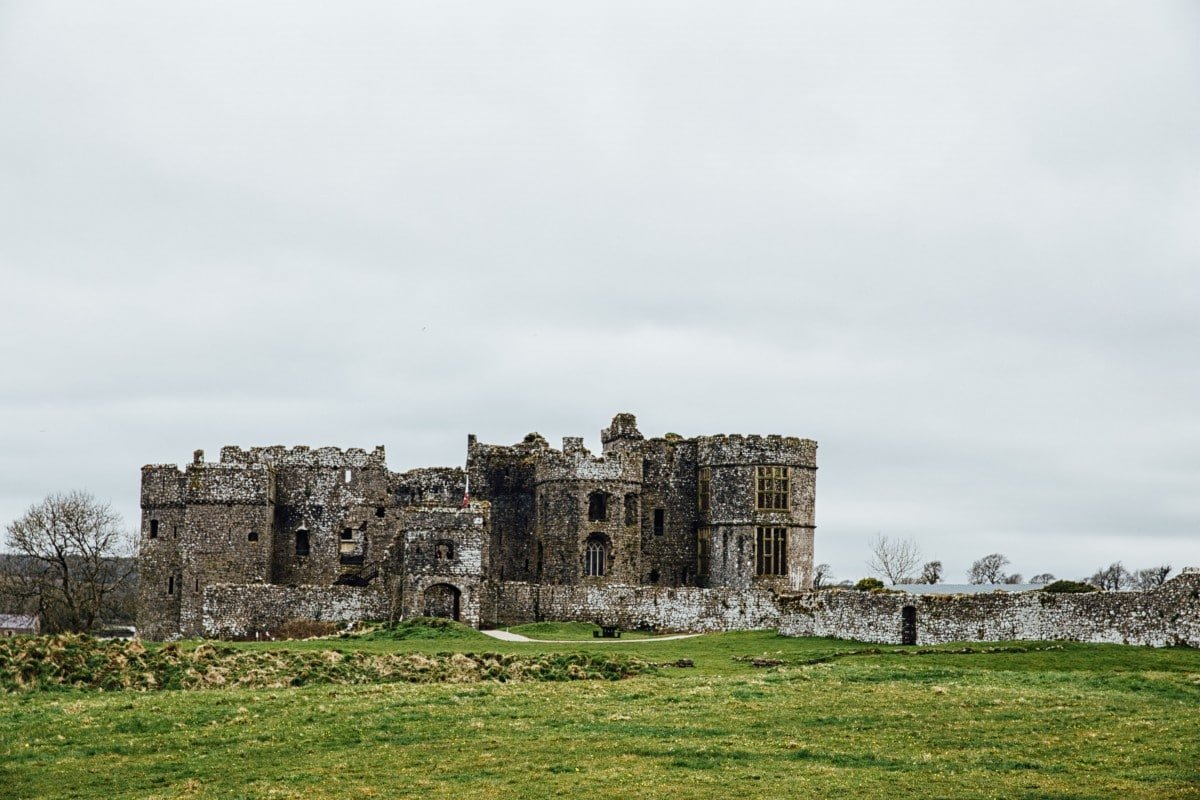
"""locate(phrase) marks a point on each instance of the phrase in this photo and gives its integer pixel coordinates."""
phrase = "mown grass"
(833, 718)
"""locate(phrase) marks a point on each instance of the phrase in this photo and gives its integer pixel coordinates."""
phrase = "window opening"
(252, 536)
(153, 529)
(704, 490)
(346, 475)
(594, 557)
(302, 542)
(703, 551)
(171, 585)
(444, 551)
(380, 511)
(660, 521)
(770, 551)
(772, 489)
(654, 576)
(597, 507)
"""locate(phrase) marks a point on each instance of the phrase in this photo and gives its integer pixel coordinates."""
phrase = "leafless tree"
(1013, 578)
(822, 576)
(893, 559)
(71, 561)
(1151, 577)
(931, 572)
(989, 569)
(1042, 578)
(1111, 578)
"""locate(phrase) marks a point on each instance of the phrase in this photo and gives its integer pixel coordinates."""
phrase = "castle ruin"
(268, 534)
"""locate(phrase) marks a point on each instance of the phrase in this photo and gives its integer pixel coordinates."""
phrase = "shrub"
(1069, 587)
(868, 584)
(305, 629)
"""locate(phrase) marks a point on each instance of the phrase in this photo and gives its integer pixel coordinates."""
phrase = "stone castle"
(524, 531)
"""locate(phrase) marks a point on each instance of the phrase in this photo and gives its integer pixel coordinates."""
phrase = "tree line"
(897, 561)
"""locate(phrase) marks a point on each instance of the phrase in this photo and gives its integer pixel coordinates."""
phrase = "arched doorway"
(442, 600)
(908, 625)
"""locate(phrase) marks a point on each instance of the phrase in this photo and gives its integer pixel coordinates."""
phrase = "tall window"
(594, 558)
(153, 529)
(597, 507)
(302, 542)
(704, 493)
(660, 521)
(770, 551)
(772, 489)
(703, 549)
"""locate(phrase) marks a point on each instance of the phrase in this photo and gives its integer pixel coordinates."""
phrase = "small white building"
(19, 625)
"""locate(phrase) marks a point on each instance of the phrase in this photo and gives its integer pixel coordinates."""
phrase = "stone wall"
(242, 611)
(659, 608)
(1164, 616)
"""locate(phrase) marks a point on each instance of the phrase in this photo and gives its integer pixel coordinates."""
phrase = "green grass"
(581, 631)
(1027, 720)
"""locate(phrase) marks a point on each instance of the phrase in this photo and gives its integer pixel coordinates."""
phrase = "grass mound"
(420, 628)
(70, 661)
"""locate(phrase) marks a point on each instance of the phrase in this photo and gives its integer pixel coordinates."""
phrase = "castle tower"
(756, 498)
(586, 517)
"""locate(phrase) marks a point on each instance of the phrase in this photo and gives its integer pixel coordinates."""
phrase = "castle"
(711, 525)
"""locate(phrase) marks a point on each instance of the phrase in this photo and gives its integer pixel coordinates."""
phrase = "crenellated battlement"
(304, 456)
(738, 449)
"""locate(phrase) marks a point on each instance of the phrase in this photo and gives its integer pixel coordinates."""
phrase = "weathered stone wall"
(1164, 616)
(659, 608)
(242, 611)
(445, 556)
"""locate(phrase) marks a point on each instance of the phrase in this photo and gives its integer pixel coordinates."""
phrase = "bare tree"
(822, 576)
(1151, 577)
(931, 572)
(989, 569)
(72, 561)
(1111, 578)
(1042, 578)
(893, 559)
(1014, 578)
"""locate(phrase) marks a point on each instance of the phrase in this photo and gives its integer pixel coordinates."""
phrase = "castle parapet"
(580, 465)
(735, 449)
(302, 456)
(229, 484)
(162, 486)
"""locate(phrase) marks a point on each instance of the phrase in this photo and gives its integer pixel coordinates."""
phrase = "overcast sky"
(956, 243)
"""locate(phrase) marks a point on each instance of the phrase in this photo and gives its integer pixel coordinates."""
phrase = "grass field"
(832, 718)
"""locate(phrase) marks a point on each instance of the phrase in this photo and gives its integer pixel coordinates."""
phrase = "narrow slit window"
(171, 584)
(153, 529)
(660, 522)
(703, 551)
(302, 542)
(704, 489)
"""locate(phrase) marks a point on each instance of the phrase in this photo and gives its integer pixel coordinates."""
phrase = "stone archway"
(442, 600)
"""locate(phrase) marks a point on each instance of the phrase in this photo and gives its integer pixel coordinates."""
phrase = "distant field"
(830, 719)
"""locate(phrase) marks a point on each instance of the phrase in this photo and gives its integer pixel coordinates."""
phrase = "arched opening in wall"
(302, 542)
(442, 600)
(597, 507)
(908, 625)
(595, 556)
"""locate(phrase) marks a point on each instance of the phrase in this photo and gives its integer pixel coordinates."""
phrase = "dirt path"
(506, 636)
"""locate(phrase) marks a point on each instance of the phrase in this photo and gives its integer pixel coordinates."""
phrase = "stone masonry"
(268, 534)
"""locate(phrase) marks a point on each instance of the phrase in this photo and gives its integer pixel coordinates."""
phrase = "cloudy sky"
(956, 243)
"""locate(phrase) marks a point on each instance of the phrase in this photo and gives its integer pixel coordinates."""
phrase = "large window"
(704, 490)
(594, 557)
(597, 507)
(703, 549)
(770, 551)
(772, 489)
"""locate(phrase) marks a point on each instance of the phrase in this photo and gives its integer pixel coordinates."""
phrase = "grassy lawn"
(1024, 721)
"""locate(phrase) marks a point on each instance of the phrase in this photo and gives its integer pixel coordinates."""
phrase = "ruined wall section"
(504, 476)
(1161, 617)
(567, 485)
(159, 565)
(733, 518)
(651, 608)
(331, 521)
(669, 516)
(240, 612)
(446, 553)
